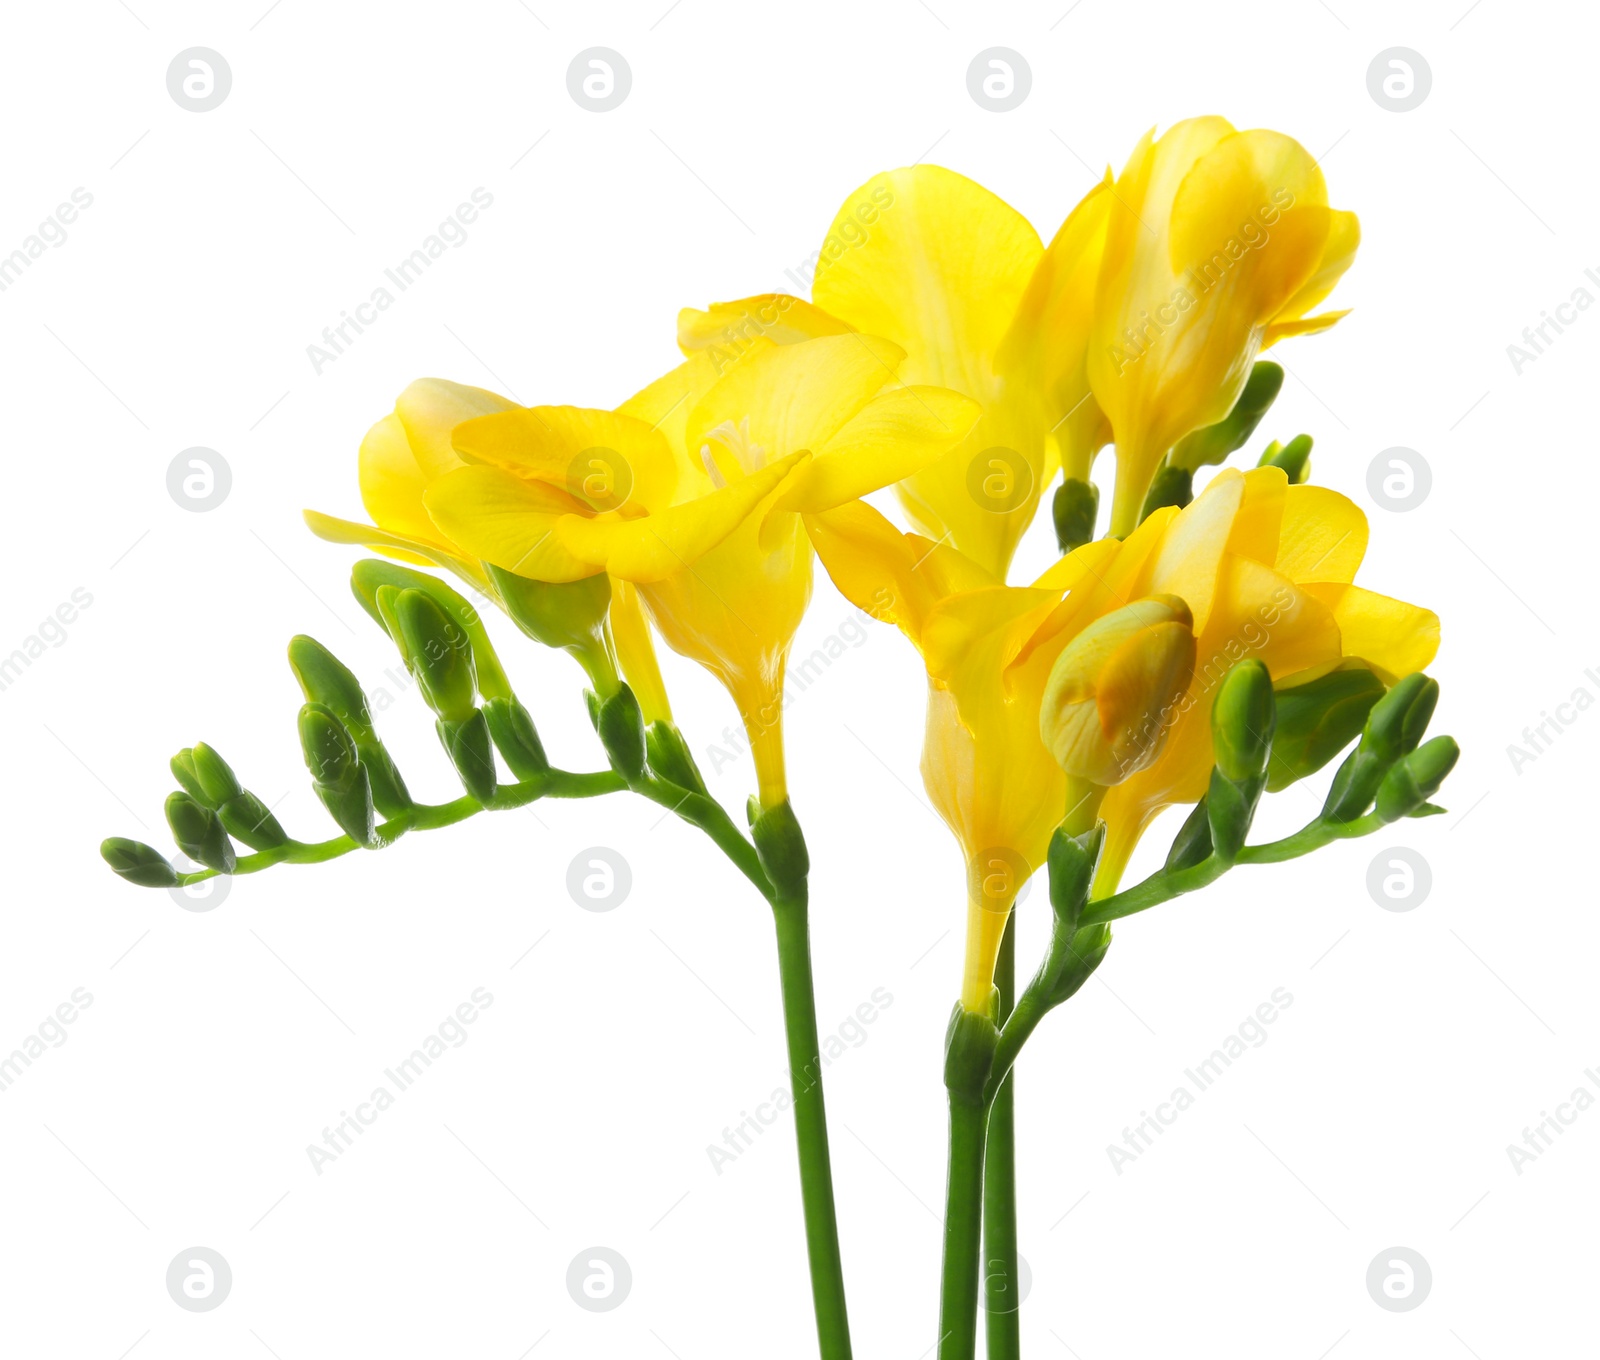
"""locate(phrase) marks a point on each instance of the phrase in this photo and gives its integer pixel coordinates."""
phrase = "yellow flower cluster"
(951, 354)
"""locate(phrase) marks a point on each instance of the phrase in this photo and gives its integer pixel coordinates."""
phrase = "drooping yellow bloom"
(961, 282)
(1260, 567)
(693, 491)
(406, 452)
(1217, 244)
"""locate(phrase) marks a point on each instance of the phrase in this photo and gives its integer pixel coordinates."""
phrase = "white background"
(219, 1044)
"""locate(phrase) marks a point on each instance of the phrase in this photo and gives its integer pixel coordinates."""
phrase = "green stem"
(963, 1222)
(1003, 1322)
(811, 1126)
(425, 817)
(709, 815)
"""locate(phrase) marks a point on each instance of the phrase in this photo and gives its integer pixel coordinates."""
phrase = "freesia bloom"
(1218, 243)
(962, 283)
(1261, 568)
(409, 450)
(693, 491)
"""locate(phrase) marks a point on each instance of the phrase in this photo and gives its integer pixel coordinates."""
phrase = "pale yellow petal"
(508, 521)
(430, 408)
(1324, 535)
(1391, 636)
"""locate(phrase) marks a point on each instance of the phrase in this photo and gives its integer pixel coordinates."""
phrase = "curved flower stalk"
(1218, 244)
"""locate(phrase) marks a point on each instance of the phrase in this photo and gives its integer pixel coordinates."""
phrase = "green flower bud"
(1408, 786)
(329, 750)
(781, 847)
(183, 770)
(1192, 844)
(215, 775)
(1170, 486)
(621, 728)
(246, 818)
(1215, 442)
(199, 834)
(1242, 721)
(1072, 861)
(370, 575)
(1318, 720)
(471, 751)
(1294, 458)
(1398, 720)
(511, 726)
(670, 757)
(138, 863)
(1075, 509)
(969, 1045)
(436, 648)
(326, 680)
(1088, 952)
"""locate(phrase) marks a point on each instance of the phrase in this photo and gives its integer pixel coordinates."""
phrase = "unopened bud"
(1170, 486)
(621, 727)
(1111, 696)
(1407, 788)
(1242, 721)
(340, 780)
(511, 726)
(246, 818)
(138, 863)
(437, 649)
(471, 751)
(326, 680)
(1294, 458)
(183, 770)
(215, 775)
(199, 834)
(1075, 509)
(1397, 721)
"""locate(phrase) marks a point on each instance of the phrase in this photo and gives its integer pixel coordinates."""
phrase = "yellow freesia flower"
(962, 283)
(693, 491)
(406, 452)
(1217, 244)
(1261, 568)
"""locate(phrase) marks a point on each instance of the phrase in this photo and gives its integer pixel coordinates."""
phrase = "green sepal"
(327, 746)
(1192, 844)
(1075, 509)
(669, 756)
(1243, 718)
(1355, 785)
(199, 833)
(969, 1044)
(350, 805)
(471, 751)
(1415, 779)
(511, 726)
(1087, 952)
(216, 776)
(437, 649)
(1214, 443)
(1170, 486)
(620, 725)
(781, 847)
(326, 680)
(183, 770)
(1230, 808)
(370, 574)
(246, 818)
(567, 614)
(1294, 458)
(591, 705)
(1318, 720)
(1073, 861)
(138, 863)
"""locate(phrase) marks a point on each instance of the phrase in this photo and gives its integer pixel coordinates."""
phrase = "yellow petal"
(507, 521)
(1338, 254)
(1324, 535)
(609, 460)
(1392, 637)
(795, 397)
(399, 546)
(936, 263)
(392, 483)
(656, 546)
(430, 408)
(894, 435)
(727, 327)
(1307, 325)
